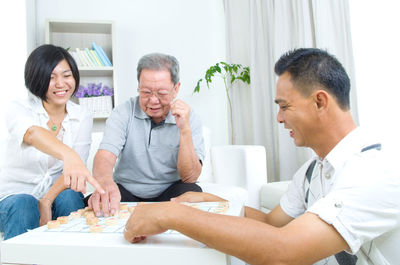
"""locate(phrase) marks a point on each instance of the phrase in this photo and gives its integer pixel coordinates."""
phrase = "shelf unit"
(81, 34)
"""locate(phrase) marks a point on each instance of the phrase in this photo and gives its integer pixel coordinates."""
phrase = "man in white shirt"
(343, 205)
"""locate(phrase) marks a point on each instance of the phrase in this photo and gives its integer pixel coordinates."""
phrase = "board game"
(84, 221)
(73, 243)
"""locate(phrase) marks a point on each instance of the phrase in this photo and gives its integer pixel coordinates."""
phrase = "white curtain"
(258, 33)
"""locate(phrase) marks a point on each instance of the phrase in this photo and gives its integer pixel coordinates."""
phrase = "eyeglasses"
(160, 94)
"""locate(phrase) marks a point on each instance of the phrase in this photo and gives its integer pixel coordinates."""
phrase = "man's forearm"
(277, 217)
(189, 166)
(247, 239)
(302, 241)
(103, 166)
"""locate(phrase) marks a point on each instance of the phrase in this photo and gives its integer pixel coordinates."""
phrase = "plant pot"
(100, 107)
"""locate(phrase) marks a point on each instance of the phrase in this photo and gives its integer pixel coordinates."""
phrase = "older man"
(157, 140)
(343, 206)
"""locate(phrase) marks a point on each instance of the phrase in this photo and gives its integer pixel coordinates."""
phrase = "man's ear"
(176, 89)
(321, 98)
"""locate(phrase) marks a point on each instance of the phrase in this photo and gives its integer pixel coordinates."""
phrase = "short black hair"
(40, 65)
(309, 67)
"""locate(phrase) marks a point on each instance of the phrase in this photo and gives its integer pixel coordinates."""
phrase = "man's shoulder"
(127, 107)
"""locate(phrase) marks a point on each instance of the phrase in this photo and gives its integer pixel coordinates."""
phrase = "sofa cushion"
(271, 194)
(230, 193)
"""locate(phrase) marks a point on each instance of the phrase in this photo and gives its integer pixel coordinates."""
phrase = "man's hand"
(76, 174)
(146, 220)
(181, 112)
(108, 203)
(45, 211)
(193, 196)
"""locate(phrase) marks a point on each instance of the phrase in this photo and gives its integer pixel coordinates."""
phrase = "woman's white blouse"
(26, 169)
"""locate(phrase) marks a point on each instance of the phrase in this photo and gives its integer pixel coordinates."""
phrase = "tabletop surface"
(42, 246)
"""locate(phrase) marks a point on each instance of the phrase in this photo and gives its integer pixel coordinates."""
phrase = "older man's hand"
(181, 112)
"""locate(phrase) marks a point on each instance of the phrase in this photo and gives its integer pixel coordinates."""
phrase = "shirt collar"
(351, 144)
(37, 106)
(139, 113)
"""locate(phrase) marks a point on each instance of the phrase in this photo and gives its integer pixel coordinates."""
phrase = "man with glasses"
(158, 142)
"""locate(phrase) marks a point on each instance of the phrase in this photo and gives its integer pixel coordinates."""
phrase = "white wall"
(376, 43)
(191, 30)
(14, 51)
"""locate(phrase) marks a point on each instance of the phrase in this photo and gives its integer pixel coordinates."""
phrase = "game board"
(79, 225)
(66, 247)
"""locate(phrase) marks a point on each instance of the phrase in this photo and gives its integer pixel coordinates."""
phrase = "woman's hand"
(76, 174)
(45, 211)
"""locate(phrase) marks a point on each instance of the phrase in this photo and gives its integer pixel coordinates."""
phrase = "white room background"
(14, 51)
(267, 30)
(193, 31)
(376, 43)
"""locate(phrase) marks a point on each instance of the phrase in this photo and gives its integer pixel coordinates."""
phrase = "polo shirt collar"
(140, 114)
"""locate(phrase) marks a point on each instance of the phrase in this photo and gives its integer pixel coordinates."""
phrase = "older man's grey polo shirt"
(147, 157)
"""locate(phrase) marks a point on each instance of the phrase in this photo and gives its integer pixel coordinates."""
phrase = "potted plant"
(96, 98)
(230, 73)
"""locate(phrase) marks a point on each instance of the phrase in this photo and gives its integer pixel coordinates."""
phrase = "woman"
(49, 138)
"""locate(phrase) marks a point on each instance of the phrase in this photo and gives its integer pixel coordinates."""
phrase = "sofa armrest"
(271, 194)
(241, 166)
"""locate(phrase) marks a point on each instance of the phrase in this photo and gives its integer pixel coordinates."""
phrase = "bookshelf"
(81, 34)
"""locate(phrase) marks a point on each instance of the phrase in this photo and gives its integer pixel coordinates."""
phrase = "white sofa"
(233, 172)
(271, 194)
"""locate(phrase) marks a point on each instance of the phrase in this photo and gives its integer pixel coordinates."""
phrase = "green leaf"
(235, 68)
(233, 72)
(197, 88)
(218, 69)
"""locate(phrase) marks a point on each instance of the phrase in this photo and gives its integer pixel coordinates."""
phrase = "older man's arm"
(189, 165)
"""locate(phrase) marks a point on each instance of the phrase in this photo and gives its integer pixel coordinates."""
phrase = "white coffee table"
(49, 248)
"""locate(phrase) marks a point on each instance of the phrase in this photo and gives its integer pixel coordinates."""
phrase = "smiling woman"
(44, 179)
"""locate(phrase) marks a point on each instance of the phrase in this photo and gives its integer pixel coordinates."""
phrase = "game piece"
(75, 215)
(53, 224)
(96, 228)
(89, 214)
(124, 214)
(63, 219)
(111, 221)
(123, 206)
(92, 220)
